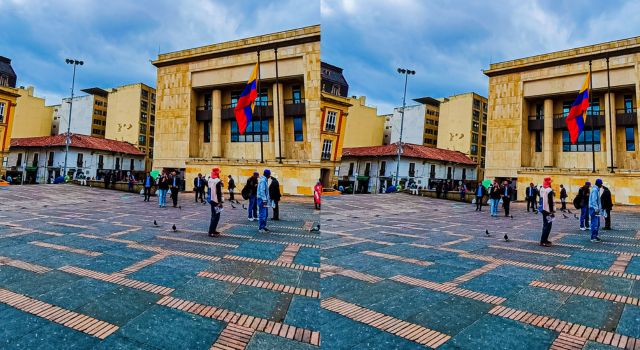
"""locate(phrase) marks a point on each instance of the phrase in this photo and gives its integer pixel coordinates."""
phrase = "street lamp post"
(68, 139)
(406, 73)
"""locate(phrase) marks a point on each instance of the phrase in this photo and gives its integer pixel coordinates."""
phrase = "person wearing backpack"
(251, 190)
(583, 200)
(548, 211)
(214, 197)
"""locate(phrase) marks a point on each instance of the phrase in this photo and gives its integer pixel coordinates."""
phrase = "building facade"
(88, 113)
(334, 107)
(529, 99)
(198, 89)
(32, 117)
(8, 101)
(431, 120)
(388, 125)
(132, 117)
(373, 169)
(39, 159)
(363, 127)
(463, 126)
(413, 125)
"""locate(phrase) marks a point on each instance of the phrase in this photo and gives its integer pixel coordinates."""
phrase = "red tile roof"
(409, 150)
(78, 141)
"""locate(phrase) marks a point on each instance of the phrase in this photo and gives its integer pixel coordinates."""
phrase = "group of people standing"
(496, 193)
(262, 192)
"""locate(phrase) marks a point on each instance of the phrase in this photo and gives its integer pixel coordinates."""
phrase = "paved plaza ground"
(406, 272)
(84, 268)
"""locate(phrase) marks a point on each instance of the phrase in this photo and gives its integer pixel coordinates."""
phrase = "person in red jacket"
(317, 194)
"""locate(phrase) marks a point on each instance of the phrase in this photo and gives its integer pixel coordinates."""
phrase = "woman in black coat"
(607, 205)
(274, 194)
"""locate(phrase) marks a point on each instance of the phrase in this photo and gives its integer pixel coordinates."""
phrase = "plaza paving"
(84, 268)
(407, 272)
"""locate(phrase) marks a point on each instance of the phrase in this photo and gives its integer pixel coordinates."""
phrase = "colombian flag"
(577, 114)
(246, 101)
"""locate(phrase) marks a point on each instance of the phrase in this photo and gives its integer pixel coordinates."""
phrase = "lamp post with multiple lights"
(68, 140)
(406, 73)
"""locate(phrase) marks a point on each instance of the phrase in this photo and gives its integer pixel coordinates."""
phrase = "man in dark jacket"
(563, 197)
(480, 193)
(506, 193)
(252, 208)
(174, 183)
(583, 196)
(274, 194)
(107, 179)
(198, 187)
(531, 195)
(607, 205)
(232, 189)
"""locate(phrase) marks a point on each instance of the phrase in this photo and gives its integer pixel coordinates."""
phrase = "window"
(36, 158)
(335, 90)
(350, 173)
(143, 128)
(207, 102)
(476, 115)
(207, 132)
(628, 104)
(630, 139)
(326, 149)
(412, 169)
(152, 130)
(449, 173)
(235, 95)
(484, 140)
(131, 164)
(584, 141)
(80, 160)
(538, 141)
(117, 163)
(4, 80)
(142, 140)
(330, 125)
(383, 168)
(153, 96)
(464, 174)
(50, 160)
(144, 105)
(252, 133)
(474, 138)
(97, 122)
(263, 97)
(432, 171)
(143, 117)
(539, 111)
(483, 151)
(100, 161)
(367, 169)
(474, 149)
(297, 129)
(296, 94)
(475, 127)
(153, 119)
(145, 94)
(476, 103)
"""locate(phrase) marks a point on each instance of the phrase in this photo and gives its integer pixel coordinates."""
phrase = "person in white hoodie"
(263, 201)
(214, 198)
(548, 211)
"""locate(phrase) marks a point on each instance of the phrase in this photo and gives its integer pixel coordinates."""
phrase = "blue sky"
(449, 42)
(117, 38)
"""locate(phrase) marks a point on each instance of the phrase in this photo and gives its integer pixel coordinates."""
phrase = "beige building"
(131, 109)
(197, 91)
(364, 127)
(463, 126)
(32, 118)
(431, 120)
(529, 99)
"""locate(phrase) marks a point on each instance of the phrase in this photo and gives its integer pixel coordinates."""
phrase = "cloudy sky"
(449, 42)
(117, 38)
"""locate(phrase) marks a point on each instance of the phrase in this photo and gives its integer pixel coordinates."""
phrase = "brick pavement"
(406, 272)
(86, 268)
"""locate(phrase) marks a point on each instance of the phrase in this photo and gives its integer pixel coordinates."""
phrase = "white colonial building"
(372, 169)
(39, 159)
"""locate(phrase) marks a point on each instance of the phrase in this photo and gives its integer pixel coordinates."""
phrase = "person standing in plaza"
(607, 205)
(106, 180)
(463, 191)
(214, 198)
(583, 200)
(595, 210)
(438, 189)
(198, 188)
(175, 187)
(163, 187)
(317, 195)
(251, 188)
(131, 179)
(548, 211)
(263, 201)
(494, 198)
(563, 198)
(506, 193)
(480, 193)
(274, 194)
(232, 189)
(148, 181)
(531, 196)
(114, 178)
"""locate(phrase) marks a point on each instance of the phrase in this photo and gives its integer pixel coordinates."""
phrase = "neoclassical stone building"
(197, 91)
(529, 99)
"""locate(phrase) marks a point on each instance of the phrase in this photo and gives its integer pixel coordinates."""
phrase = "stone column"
(216, 123)
(610, 127)
(547, 136)
(278, 121)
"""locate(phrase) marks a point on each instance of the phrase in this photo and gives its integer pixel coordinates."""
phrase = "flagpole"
(610, 143)
(278, 102)
(260, 109)
(593, 151)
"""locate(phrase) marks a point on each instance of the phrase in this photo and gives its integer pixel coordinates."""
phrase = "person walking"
(130, 181)
(175, 187)
(232, 189)
(583, 200)
(252, 189)
(317, 195)
(198, 187)
(163, 187)
(563, 198)
(263, 201)
(506, 193)
(607, 205)
(531, 195)
(480, 193)
(494, 198)
(595, 208)
(463, 191)
(274, 194)
(548, 211)
(148, 181)
(214, 198)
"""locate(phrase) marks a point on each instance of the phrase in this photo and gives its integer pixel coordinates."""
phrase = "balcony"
(294, 107)
(626, 117)
(203, 113)
(559, 120)
(536, 123)
(262, 109)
